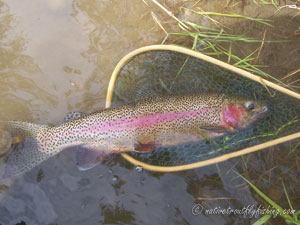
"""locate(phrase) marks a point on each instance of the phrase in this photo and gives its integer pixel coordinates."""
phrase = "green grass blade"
(292, 221)
(287, 196)
(233, 15)
(268, 200)
(229, 53)
(253, 68)
(262, 220)
(294, 148)
(196, 26)
(221, 37)
(273, 2)
(195, 42)
(211, 46)
(165, 38)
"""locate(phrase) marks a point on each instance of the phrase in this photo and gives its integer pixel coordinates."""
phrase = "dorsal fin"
(74, 116)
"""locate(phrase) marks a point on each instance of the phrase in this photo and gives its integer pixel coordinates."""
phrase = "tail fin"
(23, 129)
(22, 158)
(24, 155)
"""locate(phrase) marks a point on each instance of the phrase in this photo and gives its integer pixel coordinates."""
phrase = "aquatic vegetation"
(270, 2)
(215, 38)
(289, 219)
(206, 31)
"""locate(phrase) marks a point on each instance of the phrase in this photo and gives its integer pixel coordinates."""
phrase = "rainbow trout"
(140, 126)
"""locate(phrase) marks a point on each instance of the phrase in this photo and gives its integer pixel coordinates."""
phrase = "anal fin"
(89, 156)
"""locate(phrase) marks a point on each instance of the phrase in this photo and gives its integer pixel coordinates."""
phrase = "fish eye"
(250, 105)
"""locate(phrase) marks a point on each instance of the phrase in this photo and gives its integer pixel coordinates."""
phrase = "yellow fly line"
(238, 71)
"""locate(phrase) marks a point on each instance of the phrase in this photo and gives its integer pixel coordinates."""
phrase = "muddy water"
(57, 56)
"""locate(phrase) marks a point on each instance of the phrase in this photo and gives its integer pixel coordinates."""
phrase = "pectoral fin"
(213, 129)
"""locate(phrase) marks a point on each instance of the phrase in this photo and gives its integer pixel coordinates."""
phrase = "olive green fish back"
(170, 72)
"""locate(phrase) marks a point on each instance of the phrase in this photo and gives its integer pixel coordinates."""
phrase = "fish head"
(239, 113)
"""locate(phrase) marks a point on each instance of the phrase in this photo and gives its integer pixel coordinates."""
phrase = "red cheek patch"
(230, 117)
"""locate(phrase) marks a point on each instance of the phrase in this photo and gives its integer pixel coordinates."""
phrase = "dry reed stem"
(290, 74)
(220, 198)
(197, 3)
(170, 14)
(155, 18)
(264, 173)
(260, 48)
(297, 162)
(293, 82)
(216, 22)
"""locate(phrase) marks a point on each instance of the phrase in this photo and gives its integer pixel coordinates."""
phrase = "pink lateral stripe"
(146, 120)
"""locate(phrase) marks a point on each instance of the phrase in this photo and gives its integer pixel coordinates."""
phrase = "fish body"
(140, 126)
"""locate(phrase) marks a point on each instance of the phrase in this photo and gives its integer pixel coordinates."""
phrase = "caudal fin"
(24, 129)
(25, 155)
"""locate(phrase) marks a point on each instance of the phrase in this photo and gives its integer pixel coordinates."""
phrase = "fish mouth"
(260, 113)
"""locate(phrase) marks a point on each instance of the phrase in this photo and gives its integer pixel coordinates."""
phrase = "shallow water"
(57, 56)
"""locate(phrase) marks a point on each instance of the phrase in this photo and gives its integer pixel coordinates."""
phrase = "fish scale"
(140, 126)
